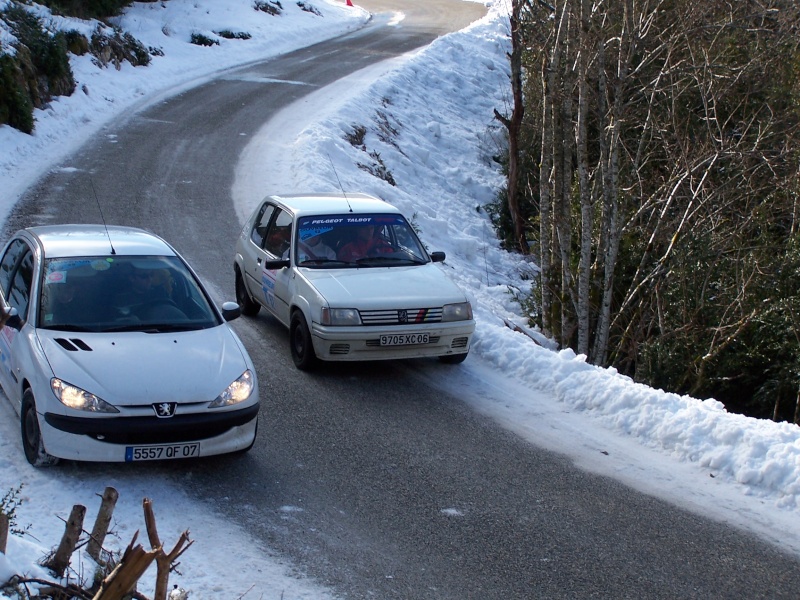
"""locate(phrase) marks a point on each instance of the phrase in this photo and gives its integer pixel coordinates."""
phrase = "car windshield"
(122, 293)
(357, 240)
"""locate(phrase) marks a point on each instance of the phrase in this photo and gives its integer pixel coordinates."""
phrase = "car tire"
(249, 306)
(301, 345)
(453, 359)
(32, 442)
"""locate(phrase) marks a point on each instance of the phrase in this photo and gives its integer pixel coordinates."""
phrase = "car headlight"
(457, 312)
(238, 391)
(340, 316)
(75, 397)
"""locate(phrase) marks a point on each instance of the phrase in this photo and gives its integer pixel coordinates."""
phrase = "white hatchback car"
(349, 277)
(113, 351)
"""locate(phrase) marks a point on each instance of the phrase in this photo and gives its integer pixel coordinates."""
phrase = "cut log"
(72, 533)
(3, 532)
(98, 536)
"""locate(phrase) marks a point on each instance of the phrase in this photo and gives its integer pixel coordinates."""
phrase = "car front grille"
(402, 316)
(460, 342)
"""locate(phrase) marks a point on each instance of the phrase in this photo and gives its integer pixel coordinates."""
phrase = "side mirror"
(273, 264)
(231, 311)
(437, 256)
(10, 317)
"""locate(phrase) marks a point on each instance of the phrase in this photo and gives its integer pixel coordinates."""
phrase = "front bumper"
(363, 343)
(106, 439)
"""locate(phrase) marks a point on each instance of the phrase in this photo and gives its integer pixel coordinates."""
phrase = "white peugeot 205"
(111, 350)
(351, 280)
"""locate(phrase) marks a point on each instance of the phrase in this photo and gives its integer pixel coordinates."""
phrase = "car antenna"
(346, 199)
(102, 217)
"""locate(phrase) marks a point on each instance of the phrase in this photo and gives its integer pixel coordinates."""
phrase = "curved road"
(396, 490)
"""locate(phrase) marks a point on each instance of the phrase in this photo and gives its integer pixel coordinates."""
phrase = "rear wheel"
(300, 341)
(249, 306)
(31, 434)
(453, 359)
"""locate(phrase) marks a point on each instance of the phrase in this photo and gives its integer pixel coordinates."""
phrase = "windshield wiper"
(79, 328)
(380, 261)
(169, 327)
(320, 261)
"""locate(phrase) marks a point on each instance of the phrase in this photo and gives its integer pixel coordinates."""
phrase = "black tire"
(453, 359)
(31, 434)
(248, 306)
(300, 342)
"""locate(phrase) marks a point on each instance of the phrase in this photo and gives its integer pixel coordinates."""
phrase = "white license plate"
(166, 452)
(404, 339)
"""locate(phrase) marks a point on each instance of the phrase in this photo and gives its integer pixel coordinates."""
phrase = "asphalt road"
(395, 489)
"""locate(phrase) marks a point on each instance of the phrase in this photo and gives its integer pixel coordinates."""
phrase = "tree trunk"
(163, 560)
(514, 126)
(582, 157)
(101, 524)
(72, 533)
(546, 175)
(3, 532)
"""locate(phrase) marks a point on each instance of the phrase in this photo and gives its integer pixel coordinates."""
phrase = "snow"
(429, 116)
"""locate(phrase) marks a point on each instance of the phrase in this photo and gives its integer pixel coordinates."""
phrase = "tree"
(666, 183)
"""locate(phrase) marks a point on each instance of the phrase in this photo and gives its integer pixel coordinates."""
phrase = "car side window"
(7, 265)
(259, 233)
(20, 291)
(279, 234)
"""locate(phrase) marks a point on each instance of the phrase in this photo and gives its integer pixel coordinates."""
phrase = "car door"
(16, 282)
(271, 237)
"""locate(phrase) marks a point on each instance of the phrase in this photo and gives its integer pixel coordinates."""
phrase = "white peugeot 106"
(351, 280)
(112, 350)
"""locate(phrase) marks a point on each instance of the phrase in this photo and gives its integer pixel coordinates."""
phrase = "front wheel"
(300, 341)
(249, 306)
(32, 442)
(453, 359)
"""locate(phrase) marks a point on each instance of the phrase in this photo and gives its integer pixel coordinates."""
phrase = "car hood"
(136, 368)
(374, 288)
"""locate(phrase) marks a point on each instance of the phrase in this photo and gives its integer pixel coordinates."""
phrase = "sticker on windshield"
(56, 277)
(306, 234)
(67, 265)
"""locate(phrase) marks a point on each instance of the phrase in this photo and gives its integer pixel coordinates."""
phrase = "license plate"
(404, 339)
(137, 453)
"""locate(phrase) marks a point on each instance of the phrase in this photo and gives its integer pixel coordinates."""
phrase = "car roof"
(326, 204)
(93, 240)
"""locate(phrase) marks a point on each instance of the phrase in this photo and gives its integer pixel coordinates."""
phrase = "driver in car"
(365, 244)
(144, 285)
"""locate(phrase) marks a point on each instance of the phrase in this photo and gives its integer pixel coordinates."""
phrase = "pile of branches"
(116, 576)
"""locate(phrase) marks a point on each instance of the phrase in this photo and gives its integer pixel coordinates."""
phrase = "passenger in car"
(313, 248)
(64, 308)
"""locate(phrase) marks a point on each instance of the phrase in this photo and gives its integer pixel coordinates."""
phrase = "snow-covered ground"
(429, 115)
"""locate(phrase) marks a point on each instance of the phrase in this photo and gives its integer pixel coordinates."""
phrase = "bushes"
(87, 9)
(16, 108)
(117, 47)
(38, 70)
